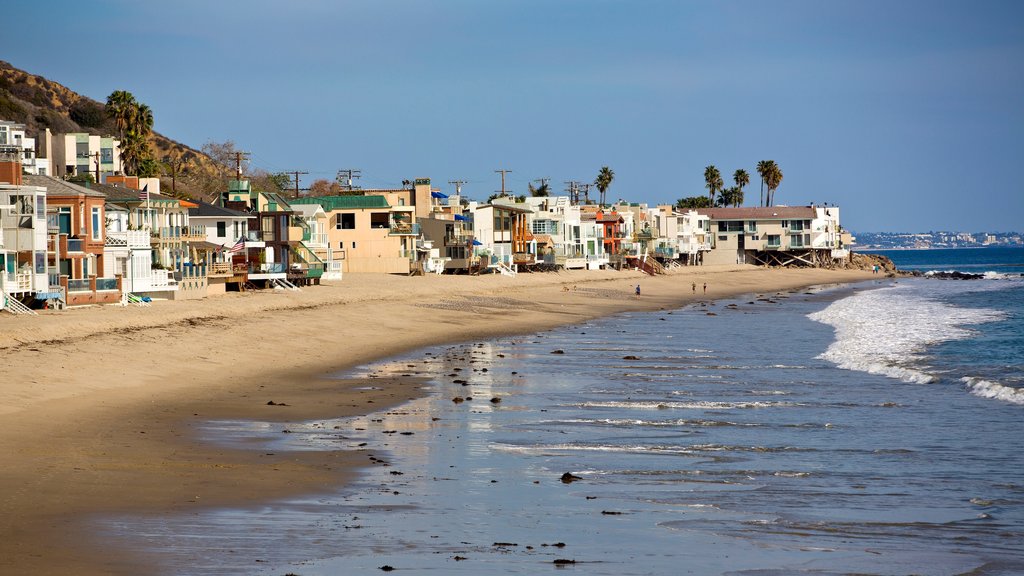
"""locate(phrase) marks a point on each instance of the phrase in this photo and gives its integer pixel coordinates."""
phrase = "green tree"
(539, 191)
(763, 167)
(773, 181)
(603, 181)
(741, 178)
(121, 107)
(713, 182)
(693, 203)
(731, 196)
(134, 122)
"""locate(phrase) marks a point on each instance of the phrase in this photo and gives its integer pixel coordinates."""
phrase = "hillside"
(40, 103)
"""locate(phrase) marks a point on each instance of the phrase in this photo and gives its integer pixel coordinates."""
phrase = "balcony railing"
(179, 233)
(317, 240)
(129, 238)
(404, 229)
(75, 245)
(106, 284)
(79, 285)
(272, 268)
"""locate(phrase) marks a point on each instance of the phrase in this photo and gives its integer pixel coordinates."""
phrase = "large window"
(222, 229)
(456, 252)
(774, 240)
(379, 220)
(345, 222)
(97, 223)
(730, 226)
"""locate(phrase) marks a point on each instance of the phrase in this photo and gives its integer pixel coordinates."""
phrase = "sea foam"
(885, 331)
(995, 390)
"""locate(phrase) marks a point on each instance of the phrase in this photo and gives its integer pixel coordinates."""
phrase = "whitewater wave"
(885, 331)
(702, 405)
(994, 390)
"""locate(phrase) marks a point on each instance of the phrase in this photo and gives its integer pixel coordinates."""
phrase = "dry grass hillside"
(40, 103)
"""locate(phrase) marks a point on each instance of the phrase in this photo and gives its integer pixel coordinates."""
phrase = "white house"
(14, 140)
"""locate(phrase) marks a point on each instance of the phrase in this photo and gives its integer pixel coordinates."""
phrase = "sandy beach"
(100, 404)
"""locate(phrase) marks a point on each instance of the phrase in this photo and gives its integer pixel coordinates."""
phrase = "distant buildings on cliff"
(927, 240)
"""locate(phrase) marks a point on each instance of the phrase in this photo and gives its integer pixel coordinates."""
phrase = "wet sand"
(101, 404)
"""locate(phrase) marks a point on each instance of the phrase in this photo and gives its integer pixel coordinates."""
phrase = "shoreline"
(100, 417)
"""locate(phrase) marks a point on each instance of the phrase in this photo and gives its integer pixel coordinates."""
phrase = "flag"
(238, 247)
(144, 194)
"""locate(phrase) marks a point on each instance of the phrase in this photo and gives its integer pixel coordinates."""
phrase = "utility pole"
(175, 165)
(586, 192)
(345, 177)
(573, 188)
(458, 186)
(96, 158)
(239, 156)
(296, 173)
(503, 172)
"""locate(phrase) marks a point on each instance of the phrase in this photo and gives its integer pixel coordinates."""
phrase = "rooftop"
(763, 213)
(331, 203)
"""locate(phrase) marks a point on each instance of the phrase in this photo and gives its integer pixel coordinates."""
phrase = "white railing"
(160, 278)
(129, 238)
(318, 240)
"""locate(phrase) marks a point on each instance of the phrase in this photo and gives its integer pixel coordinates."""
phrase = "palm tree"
(542, 190)
(741, 178)
(603, 181)
(692, 203)
(144, 121)
(713, 182)
(121, 106)
(773, 181)
(763, 167)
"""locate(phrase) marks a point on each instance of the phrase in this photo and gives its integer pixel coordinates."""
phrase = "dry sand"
(100, 404)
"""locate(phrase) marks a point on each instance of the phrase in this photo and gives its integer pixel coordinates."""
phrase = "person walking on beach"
(637, 290)
(694, 287)
(705, 287)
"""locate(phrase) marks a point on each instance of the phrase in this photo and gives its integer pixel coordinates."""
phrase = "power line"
(458, 186)
(503, 172)
(295, 173)
(573, 188)
(345, 177)
(239, 156)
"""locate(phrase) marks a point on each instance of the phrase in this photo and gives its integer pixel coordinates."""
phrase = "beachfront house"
(504, 236)
(776, 236)
(282, 260)
(368, 234)
(224, 229)
(24, 270)
(15, 143)
(81, 154)
(76, 229)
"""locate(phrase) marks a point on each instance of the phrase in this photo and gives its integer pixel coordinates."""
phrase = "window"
(97, 223)
(379, 220)
(345, 222)
(456, 252)
(353, 245)
(40, 262)
(730, 226)
(752, 226)
(796, 226)
(796, 241)
(40, 206)
(774, 240)
(222, 229)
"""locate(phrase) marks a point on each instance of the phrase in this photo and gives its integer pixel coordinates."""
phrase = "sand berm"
(99, 406)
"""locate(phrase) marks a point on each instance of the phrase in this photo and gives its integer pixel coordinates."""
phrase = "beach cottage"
(776, 236)
(24, 270)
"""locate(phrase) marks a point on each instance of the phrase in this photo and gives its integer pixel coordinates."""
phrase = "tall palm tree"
(763, 167)
(120, 107)
(144, 121)
(542, 190)
(773, 181)
(713, 182)
(603, 181)
(741, 178)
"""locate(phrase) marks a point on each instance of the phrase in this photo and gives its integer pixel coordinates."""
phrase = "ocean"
(868, 429)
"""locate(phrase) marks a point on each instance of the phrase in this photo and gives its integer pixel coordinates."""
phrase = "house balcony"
(129, 238)
(92, 290)
(175, 234)
(317, 240)
(524, 258)
(404, 229)
(65, 245)
(665, 252)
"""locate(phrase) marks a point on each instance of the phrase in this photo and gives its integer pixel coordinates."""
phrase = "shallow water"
(706, 444)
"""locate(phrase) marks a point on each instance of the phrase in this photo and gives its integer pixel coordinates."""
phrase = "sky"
(909, 115)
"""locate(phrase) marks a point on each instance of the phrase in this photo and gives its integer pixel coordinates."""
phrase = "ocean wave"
(701, 405)
(995, 390)
(885, 331)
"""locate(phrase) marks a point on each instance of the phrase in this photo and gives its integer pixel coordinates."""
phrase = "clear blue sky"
(909, 115)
